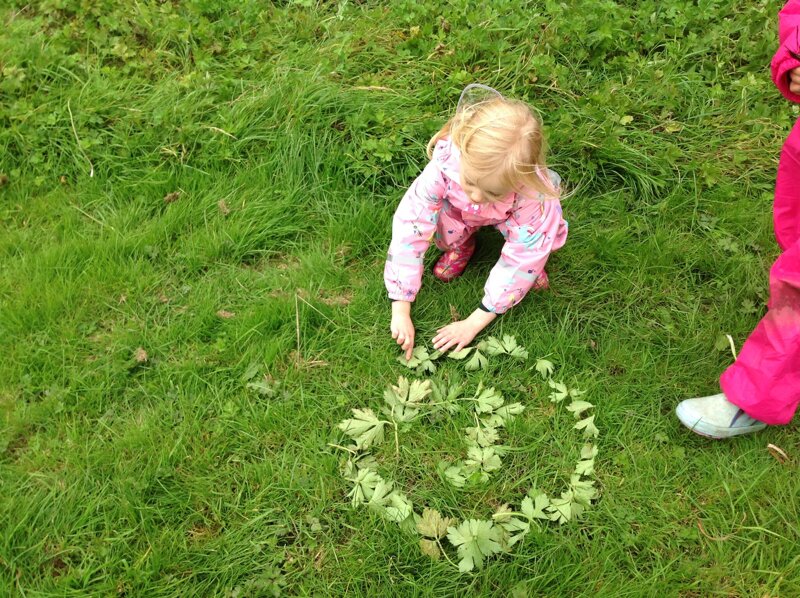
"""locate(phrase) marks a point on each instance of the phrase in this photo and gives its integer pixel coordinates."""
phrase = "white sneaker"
(716, 417)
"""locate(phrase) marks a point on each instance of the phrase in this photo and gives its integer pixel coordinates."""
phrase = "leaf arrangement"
(475, 358)
(474, 540)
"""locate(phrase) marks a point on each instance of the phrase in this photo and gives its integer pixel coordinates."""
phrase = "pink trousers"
(765, 379)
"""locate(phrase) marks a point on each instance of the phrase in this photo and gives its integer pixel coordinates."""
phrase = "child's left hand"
(794, 80)
(460, 334)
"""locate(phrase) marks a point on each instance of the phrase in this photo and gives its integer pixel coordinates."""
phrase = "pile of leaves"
(409, 401)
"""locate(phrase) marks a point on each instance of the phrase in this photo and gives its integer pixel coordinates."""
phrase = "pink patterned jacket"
(435, 207)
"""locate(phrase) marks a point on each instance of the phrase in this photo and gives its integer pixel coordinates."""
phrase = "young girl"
(487, 168)
(763, 386)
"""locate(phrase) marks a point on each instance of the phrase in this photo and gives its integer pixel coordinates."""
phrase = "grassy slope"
(169, 477)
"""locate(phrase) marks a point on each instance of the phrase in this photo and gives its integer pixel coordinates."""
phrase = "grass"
(168, 476)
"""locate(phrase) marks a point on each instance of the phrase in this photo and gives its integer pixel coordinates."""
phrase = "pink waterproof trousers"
(765, 379)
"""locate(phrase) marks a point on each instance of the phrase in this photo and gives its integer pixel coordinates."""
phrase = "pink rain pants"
(765, 379)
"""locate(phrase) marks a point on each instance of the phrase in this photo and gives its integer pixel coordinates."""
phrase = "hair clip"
(475, 93)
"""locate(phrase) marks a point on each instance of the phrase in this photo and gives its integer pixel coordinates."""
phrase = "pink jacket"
(436, 207)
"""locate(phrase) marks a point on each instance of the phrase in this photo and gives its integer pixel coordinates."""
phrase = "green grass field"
(197, 191)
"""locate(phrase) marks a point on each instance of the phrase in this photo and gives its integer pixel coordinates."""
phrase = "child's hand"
(402, 326)
(460, 334)
(794, 80)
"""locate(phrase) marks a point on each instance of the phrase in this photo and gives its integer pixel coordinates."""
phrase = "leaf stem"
(439, 544)
(396, 435)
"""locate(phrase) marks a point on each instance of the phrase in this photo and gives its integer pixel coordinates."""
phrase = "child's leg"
(765, 379)
(457, 241)
(763, 385)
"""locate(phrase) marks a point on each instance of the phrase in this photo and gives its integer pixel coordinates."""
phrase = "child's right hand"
(794, 80)
(402, 326)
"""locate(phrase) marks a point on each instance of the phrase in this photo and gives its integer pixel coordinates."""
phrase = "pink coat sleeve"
(532, 233)
(413, 227)
(786, 58)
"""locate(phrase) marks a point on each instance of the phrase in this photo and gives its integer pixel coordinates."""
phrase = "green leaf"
(517, 529)
(487, 400)
(534, 507)
(508, 346)
(559, 393)
(455, 475)
(545, 368)
(507, 412)
(588, 427)
(578, 407)
(476, 362)
(585, 467)
(420, 360)
(482, 436)
(588, 451)
(475, 540)
(485, 459)
(399, 508)
(583, 491)
(426, 367)
(460, 354)
(264, 387)
(446, 398)
(380, 494)
(365, 484)
(492, 346)
(502, 415)
(393, 505)
(432, 524)
(513, 349)
(404, 400)
(251, 371)
(365, 428)
(574, 393)
(409, 363)
(721, 344)
(561, 508)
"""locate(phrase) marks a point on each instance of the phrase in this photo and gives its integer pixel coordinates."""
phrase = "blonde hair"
(500, 136)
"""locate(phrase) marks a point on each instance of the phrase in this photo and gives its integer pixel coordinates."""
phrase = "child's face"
(484, 189)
